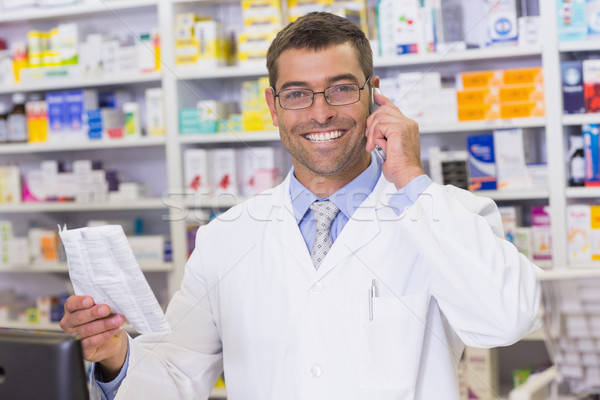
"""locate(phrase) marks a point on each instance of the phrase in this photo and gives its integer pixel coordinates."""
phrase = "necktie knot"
(325, 212)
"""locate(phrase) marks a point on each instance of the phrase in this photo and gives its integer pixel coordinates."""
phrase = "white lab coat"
(252, 302)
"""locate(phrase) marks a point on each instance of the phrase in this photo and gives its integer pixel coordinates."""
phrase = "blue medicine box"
(482, 163)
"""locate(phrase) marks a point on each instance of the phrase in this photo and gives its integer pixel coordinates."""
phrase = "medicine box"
(77, 103)
(523, 241)
(252, 8)
(224, 171)
(572, 87)
(510, 159)
(482, 166)
(593, 19)
(37, 120)
(595, 232)
(478, 112)
(511, 217)
(195, 171)
(532, 92)
(523, 76)
(155, 111)
(571, 20)
(591, 85)
(579, 232)
(258, 169)
(591, 150)
(502, 26)
(542, 235)
(530, 32)
(212, 45)
(148, 249)
(522, 109)
(189, 121)
(482, 372)
(477, 96)
(399, 30)
(479, 79)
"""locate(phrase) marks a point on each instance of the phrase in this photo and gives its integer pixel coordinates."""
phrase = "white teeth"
(324, 136)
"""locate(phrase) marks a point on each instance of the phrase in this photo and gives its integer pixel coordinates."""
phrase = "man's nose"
(321, 111)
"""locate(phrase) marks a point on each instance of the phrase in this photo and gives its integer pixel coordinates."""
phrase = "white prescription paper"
(102, 265)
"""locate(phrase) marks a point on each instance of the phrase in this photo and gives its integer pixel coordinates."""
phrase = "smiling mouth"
(321, 137)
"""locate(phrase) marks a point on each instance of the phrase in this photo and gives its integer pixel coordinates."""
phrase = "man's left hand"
(399, 137)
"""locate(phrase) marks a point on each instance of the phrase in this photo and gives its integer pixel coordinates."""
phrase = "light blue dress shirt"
(347, 199)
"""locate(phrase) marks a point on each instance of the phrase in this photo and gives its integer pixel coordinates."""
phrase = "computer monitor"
(41, 365)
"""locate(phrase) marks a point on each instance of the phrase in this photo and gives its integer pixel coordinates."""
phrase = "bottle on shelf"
(3, 123)
(576, 162)
(17, 121)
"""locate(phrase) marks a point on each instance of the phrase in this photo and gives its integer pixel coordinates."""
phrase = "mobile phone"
(372, 107)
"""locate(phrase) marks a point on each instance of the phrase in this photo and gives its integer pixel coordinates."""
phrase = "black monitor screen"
(38, 365)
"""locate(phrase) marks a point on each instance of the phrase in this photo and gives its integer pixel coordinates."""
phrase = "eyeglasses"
(337, 95)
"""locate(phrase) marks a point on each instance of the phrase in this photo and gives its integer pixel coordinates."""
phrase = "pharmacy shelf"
(210, 202)
(22, 148)
(66, 206)
(260, 69)
(236, 71)
(543, 264)
(588, 265)
(234, 137)
(56, 267)
(574, 272)
(87, 8)
(583, 192)
(83, 82)
(472, 126)
(579, 46)
(581, 119)
(511, 195)
(487, 53)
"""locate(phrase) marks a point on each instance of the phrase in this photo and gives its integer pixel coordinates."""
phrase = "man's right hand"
(102, 339)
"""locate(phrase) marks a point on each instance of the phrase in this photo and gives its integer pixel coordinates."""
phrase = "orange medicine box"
(477, 96)
(523, 75)
(522, 109)
(479, 79)
(478, 112)
(595, 232)
(524, 92)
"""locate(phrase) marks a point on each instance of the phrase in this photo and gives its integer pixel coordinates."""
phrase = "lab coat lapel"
(363, 226)
(288, 233)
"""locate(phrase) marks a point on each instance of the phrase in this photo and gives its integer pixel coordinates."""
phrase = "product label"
(482, 166)
(3, 130)
(17, 128)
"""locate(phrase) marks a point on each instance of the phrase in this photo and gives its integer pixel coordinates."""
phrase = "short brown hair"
(318, 31)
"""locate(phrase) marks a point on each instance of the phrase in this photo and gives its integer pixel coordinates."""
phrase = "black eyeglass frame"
(312, 100)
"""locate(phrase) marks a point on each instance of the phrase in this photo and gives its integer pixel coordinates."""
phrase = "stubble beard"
(320, 163)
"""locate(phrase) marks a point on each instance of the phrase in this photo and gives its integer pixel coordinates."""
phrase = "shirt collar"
(347, 199)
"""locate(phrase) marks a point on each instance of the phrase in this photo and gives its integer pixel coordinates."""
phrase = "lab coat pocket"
(390, 343)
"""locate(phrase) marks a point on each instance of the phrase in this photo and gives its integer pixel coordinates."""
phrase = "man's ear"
(270, 98)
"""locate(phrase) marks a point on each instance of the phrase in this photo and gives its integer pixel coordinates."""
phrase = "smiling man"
(356, 278)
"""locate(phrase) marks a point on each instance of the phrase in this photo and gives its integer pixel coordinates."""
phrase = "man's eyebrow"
(293, 84)
(330, 81)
